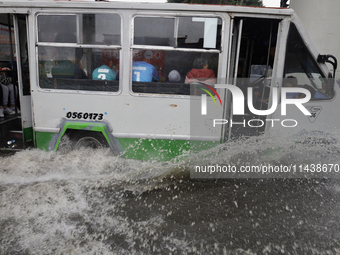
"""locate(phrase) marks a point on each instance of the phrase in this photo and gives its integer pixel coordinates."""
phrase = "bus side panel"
(43, 140)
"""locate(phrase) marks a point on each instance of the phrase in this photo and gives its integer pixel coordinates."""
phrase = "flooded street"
(91, 202)
(210, 127)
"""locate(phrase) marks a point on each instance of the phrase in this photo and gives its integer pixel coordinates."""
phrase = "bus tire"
(89, 139)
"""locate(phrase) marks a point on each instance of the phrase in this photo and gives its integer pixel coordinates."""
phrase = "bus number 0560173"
(85, 115)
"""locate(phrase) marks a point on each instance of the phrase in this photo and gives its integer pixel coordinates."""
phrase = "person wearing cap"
(174, 76)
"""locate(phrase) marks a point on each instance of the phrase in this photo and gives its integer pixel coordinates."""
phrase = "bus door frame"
(233, 59)
(279, 64)
(25, 100)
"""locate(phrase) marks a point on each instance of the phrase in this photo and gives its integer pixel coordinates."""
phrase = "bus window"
(154, 31)
(7, 48)
(199, 33)
(257, 51)
(5, 44)
(168, 71)
(69, 60)
(171, 70)
(302, 69)
(49, 26)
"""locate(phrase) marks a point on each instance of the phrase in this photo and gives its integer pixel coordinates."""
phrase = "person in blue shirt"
(144, 72)
(104, 72)
(317, 94)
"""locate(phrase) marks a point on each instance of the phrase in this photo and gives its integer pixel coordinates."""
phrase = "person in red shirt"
(200, 72)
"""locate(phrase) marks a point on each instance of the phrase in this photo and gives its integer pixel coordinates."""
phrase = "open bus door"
(16, 129)
(250, 64)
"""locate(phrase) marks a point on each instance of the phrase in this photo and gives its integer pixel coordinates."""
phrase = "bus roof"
(91, 4)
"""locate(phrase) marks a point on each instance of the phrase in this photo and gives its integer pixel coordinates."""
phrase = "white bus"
(59, 45)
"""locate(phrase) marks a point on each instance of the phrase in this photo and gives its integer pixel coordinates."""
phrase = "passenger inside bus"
(258, 101)
(68, 66)
(142, 71)
(4, 101)
(8, 95)
(1, 103)
(13, 68)
(314, 93)
(322, 93)
(104, 72)
(68, 60)
(325, 90)
(174, 76)
(200, 72)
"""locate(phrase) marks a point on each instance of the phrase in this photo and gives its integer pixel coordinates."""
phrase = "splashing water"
(91, 202)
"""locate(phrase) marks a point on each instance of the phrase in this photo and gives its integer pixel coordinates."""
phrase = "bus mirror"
(329, 59)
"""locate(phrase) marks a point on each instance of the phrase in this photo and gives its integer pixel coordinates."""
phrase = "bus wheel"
(89, 139)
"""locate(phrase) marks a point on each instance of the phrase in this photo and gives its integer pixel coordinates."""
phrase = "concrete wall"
(321, 19)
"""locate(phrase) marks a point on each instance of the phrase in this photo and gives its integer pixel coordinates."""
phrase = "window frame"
(310, 56)
(77, 45)
(134, 47)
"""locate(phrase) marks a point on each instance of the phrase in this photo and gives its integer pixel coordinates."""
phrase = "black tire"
(89, 139)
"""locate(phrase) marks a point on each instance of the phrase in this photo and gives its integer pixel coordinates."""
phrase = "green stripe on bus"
(161, 149)
(138, 148)
(27, 134)
(43, 139)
